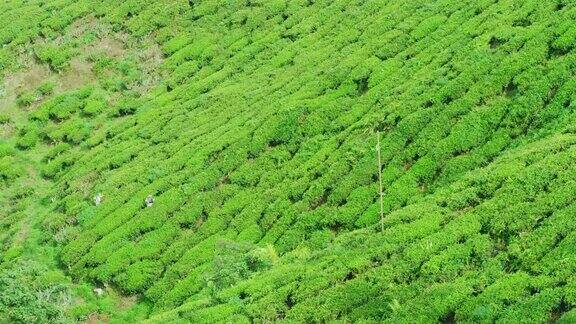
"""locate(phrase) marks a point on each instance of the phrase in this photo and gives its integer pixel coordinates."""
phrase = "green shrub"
(28, 295)
(26, 98)
(10, 169)
(139, 276)
(94, 106)
(57, 150)
(125, 106)
(57, 57)
(28, 137)
(46, 88)
(6, 59)
(64, 106)
(6, 150)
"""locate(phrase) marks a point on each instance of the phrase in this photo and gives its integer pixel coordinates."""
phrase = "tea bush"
(56, 57)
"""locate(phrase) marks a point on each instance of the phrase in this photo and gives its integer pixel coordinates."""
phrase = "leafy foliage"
(31, 293)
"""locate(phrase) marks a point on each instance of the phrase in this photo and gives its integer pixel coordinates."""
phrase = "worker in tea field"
(149, 201)
(98, 199)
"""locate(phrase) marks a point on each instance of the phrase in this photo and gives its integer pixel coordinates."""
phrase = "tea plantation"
(250, 129)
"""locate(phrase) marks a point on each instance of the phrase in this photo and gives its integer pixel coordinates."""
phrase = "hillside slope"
(253, 125)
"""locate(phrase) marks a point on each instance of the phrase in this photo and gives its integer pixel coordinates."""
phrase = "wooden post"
(380, 191)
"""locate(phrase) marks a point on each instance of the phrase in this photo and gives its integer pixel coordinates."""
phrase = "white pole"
(380, 182)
